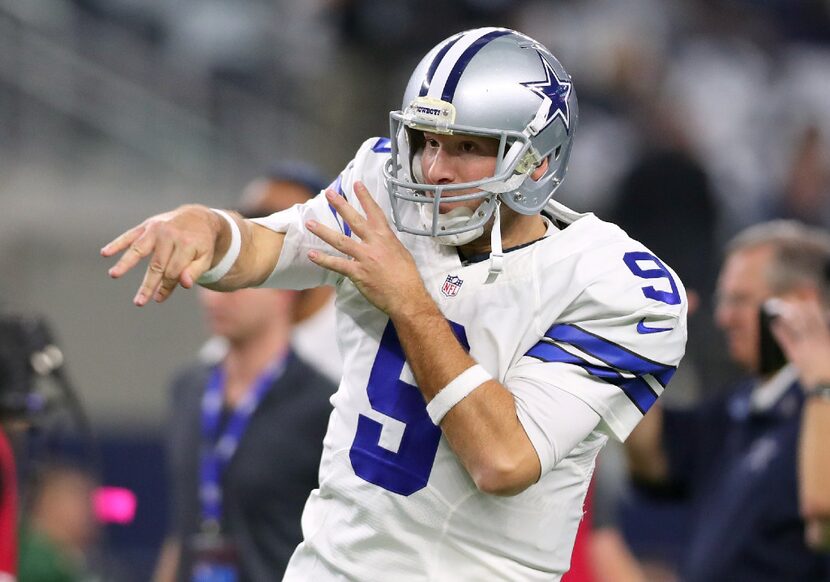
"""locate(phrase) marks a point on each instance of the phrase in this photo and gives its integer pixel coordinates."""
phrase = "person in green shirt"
(58, 527)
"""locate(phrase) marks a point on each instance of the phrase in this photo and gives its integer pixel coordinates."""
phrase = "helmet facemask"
(515, 161)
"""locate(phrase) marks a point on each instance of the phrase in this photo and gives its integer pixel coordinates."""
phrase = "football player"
(492, 338)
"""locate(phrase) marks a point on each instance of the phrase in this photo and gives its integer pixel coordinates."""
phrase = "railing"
(136, 95)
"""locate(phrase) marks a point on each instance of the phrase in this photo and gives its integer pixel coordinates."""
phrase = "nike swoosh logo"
(643, 328)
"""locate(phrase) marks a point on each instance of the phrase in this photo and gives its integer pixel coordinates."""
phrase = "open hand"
(802, 330)
(378, 264)
(180, 244)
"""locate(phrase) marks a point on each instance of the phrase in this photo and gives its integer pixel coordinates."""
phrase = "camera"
(772, 357)
(27, 351)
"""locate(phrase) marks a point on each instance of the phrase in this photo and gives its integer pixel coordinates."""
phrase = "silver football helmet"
(491, 82)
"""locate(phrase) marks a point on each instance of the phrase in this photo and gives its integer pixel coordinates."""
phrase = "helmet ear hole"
(557, 152)
(416, 149)
(415, 138)
(540, 170)
(417, 171)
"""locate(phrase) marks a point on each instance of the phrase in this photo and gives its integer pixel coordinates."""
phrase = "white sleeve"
(614, 347)
(294, 270)
(555, 420)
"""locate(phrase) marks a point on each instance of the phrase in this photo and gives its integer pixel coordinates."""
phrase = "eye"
(468, 147)
(430, 142)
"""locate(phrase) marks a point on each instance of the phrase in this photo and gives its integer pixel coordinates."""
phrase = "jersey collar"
(551, 228)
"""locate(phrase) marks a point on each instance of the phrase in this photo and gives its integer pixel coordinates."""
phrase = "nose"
(439, 168)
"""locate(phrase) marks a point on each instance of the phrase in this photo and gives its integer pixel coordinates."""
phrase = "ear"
(540, 170)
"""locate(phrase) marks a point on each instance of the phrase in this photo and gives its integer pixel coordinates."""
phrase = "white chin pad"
(455, 218)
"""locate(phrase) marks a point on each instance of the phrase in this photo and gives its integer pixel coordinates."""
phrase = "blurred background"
(697, 117)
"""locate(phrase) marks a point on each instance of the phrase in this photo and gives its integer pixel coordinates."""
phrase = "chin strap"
(496, 253)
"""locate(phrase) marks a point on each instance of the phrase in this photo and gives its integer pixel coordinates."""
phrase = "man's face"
(742, 288)
(240, 316)
(65, 510)
(454, 159)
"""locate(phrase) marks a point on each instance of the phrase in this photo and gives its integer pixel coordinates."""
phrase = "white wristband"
(456, 391)
(222, 267)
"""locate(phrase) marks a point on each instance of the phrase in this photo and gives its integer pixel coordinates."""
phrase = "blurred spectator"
(248, 423)
(610, 558)
(806, 195)
(734, 457)
(803, 330)
(313, 336)
(666, 201)
(58, 530)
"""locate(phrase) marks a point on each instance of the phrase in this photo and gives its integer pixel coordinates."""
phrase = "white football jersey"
(585, 327)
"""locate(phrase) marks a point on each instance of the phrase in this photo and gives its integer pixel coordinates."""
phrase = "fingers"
(165, 267)
(337, 264)
(189, 275)
(179, 246)
(374, 213)
(799, 321)
(349, 214)
(784, 335)
(156, 271)
(172, 276)
(122, 241)
(370, 206)
(338, 240)
(813, 316)
(802, 331)
(797, 317)
(193, 271)
(138, 245)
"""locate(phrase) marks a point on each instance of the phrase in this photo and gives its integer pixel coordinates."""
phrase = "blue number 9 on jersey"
(406, 470)
(633, 259)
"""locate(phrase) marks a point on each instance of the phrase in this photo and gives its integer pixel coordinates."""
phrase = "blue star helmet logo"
(555, 93)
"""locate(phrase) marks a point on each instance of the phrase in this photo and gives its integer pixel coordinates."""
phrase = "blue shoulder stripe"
(382, 145)
(636, 389)
(548, 352)
(338, 186)
(611, 353)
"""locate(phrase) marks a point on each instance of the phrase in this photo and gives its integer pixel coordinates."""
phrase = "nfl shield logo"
(451, 286)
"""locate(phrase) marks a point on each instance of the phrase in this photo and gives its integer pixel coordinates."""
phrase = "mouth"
(449, 206)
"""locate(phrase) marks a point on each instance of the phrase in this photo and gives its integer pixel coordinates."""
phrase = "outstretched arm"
(183, 244)
(803, 332)
(483, 429)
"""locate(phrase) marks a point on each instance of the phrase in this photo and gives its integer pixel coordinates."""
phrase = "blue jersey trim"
(344, 226)
(383, 145)
(612, 354)
(636, 389)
